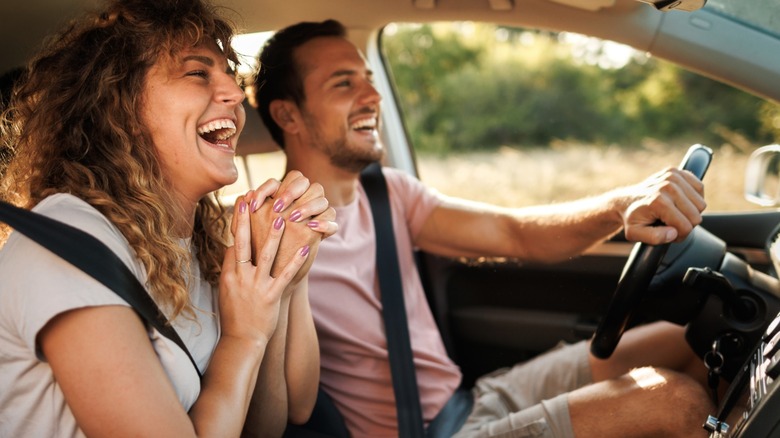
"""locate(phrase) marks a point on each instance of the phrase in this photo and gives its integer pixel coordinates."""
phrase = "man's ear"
(283, 112)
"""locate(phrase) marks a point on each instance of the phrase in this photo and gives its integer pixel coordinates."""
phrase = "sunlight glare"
(247, 47)
(594, 51)
(647, 377)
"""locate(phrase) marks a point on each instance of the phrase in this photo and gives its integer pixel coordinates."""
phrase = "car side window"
(521, 117)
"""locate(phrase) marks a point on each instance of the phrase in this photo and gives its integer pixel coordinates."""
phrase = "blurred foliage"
(466, 86)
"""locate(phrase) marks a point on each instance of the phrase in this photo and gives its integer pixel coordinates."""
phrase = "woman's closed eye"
(199, 73)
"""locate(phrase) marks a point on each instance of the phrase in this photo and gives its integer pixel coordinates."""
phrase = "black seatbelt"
(407, 399)
(92, 256)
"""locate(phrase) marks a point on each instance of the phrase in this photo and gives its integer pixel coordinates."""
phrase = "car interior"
(721, 282)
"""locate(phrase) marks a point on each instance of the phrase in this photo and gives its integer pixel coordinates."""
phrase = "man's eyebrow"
(350, 72)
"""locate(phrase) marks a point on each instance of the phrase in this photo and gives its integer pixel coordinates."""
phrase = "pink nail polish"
(254, 205)
(313, 224)
(242, 207)
(278, 205)
(278, 223)
(295, 216)
(305, 251)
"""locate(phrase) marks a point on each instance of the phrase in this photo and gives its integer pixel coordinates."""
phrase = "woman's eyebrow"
(199, 58)
(207, 61)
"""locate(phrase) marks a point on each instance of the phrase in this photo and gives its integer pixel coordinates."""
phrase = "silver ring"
(244, 261)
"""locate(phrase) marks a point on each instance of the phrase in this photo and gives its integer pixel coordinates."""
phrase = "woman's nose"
(228, 90)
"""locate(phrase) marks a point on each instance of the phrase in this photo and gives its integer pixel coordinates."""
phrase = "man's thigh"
(529, 400)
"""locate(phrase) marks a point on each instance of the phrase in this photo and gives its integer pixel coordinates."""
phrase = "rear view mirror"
(677, 5)
(762, 176)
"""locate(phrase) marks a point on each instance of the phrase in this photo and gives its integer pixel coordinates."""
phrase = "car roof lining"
(675, 36)
(35, 26)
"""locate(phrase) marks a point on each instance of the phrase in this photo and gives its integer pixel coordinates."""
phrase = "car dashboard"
(751, 404)
(749, 407)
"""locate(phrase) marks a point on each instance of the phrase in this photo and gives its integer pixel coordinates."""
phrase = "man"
(315, 94)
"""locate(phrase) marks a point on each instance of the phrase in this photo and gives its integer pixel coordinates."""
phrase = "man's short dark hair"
(278, 76)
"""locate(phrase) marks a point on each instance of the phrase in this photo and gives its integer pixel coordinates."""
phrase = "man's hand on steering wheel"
(664, 208)
(657, 217)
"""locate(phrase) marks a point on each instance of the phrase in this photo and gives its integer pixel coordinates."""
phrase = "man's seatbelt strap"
(92, 256)
(407, 399)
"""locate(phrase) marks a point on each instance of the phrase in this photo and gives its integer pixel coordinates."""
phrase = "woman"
(125, 125)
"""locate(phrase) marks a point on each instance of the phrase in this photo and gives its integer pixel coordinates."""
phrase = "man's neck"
(340, 185)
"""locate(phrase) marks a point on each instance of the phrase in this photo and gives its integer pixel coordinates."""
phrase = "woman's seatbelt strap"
(92, 256)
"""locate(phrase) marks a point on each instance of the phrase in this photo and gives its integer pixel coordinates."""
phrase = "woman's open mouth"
(218, 132)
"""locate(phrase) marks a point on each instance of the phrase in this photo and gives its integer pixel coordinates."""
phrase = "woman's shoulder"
(38, 285)
(74, 211)
(69, 209)
(77, 213)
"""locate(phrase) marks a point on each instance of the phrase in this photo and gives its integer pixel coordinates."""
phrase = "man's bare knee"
(677, 401)
(644, 402)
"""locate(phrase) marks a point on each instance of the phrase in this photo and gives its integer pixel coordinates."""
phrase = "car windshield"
(517, 116)
(520, 116)
(760, 14)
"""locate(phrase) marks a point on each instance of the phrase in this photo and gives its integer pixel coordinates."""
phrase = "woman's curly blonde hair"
(74, 126)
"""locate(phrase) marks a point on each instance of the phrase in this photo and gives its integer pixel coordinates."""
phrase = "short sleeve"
(38, 285)
(411, 197)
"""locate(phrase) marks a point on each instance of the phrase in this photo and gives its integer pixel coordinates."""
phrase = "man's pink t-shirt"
(347, 310)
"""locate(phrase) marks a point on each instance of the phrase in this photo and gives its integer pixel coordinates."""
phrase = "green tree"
(475, 86)
(419, 58)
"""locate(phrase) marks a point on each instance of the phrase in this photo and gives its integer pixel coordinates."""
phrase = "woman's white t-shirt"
(36, 286)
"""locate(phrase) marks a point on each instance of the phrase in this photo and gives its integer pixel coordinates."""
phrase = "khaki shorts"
(530, 399)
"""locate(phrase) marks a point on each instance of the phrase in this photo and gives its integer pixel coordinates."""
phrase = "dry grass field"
(515, 177)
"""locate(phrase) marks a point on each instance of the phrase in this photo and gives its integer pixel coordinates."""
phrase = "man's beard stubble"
(349, 158)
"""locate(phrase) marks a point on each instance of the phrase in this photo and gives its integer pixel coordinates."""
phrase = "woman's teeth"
(217, 130)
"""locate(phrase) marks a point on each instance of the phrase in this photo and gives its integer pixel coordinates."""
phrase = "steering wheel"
(639, 270)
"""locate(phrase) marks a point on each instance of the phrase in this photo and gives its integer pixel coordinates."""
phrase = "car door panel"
(496, 312)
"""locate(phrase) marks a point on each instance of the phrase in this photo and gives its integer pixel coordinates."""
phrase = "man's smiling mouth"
(364, 125)
(218, 132)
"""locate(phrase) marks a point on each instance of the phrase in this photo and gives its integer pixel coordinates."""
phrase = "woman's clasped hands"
(276, 232)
